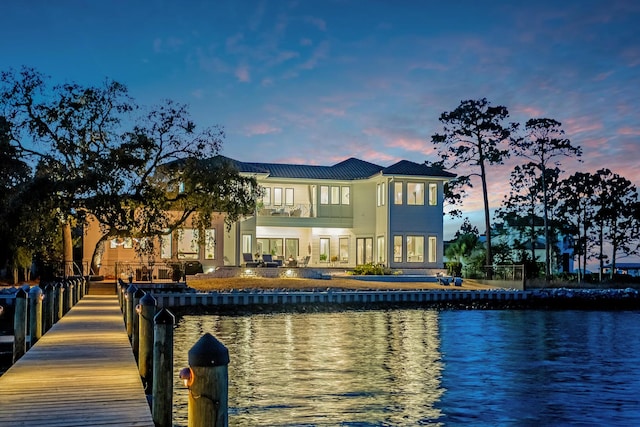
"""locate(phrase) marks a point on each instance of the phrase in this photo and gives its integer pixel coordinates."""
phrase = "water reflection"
(361, 368)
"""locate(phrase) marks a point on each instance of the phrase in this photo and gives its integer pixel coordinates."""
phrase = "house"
(625, 268)
(351, 213)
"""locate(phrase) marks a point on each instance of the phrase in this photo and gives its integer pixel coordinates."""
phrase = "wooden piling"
(69, 299)
(135, 328)
(47, 307)
(162, 401)
(59, 302)
(35, 314)
(209, 383)
(145, 353)
(128, 295)
(20, 325)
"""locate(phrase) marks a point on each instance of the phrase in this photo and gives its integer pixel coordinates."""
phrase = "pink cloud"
(261, 129)
(627, 130)
(242, 74)
(575, 125)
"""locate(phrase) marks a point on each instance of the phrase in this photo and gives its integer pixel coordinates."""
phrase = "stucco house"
(351, 213)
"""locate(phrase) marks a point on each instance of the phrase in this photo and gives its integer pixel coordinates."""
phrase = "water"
(424, 367)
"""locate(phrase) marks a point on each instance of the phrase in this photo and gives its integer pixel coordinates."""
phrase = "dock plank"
(80, 373)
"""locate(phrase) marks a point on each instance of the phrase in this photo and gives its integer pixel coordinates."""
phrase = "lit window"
(210, 243)
(277, 196)
(335, 195)
(266, 198)
(415, 248)
(415, 193)
(433, 248)
(324, 195)
(433, 194)
(188, 247)
(288, 196)
(397, 193)
(325, 251)
(165, 245)
(345, 196)
(246, 243)
(397, 248)
(381, 251)
(344, 249)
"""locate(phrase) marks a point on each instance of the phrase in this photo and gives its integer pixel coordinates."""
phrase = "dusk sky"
(316, 82)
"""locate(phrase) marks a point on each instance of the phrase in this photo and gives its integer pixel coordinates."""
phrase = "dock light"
(187, 376)
(289, 273)
(138, 308)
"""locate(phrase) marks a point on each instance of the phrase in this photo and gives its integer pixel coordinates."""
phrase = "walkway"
(80, 373)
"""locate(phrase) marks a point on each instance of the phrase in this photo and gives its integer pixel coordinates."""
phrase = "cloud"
(167, 45)
(261, 129)
(242, 74)
(316, 22)
(627, 130)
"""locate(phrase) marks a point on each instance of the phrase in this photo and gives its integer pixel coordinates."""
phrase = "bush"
(371, 269)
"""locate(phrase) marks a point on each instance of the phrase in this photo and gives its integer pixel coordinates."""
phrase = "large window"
(277, 196)
(346, 196)
(266, 197)
(415, 193)
(165, 245)
(270, 246)
(397, 248)
(291, 248)
(288, 196)
(324, 195)
(415, 248)
(325, 249)
(210, 243)
(335, 195)
(381, 251)
(433, 248)
(433, 194)
(364, 250)
(188, 247)
(344, 249)
(397, 193)
(246, 244)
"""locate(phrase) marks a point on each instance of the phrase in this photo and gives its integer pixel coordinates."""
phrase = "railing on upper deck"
(301, 210)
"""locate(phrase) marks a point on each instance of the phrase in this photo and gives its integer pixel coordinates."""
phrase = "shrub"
(371, 269)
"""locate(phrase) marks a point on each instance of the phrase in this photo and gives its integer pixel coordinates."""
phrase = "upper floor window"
(277, 196)
(288, 196)
(433, 194)
(324, 194)
(346, 196)
(381, 192)
(415, 193)
(335, 195)
(397, 193)
(266, 197)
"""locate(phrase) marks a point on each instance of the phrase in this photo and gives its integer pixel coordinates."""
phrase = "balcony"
(300, 210)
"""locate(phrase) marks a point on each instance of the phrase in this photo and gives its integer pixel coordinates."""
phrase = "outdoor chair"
(249, 261)
(269, 261)
(304, 262)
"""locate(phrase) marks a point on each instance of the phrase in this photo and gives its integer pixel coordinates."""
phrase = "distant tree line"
(72, 153)
(599, 209)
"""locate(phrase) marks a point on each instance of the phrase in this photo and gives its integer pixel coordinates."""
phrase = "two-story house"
(347, 214)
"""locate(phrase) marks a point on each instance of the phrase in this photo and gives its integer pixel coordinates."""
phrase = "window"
(397, 193)
(397, 248)
(381, 252)
(415, 193)
(344, 249)
(433, 194)
(277, 196)
(381, 191)
(345, 196)
(415, 248)
(270, 246)
(325, 249)
(246, 244)
(288, 196)
(324, 195)
(433, 248)
(210, 243)
(165, 245)
(335, 195)
(291, 248)
(188, 247)
(266, 198)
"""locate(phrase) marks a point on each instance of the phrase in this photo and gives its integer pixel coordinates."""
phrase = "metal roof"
(349, 169)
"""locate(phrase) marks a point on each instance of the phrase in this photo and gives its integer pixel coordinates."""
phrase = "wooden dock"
(80, 373)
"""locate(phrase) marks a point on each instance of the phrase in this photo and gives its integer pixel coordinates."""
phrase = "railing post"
(162, 401)
(135, 328)
(20, 325)
(69, 290)
(35, 314)
(47, 307)
(128, 295)
(208, 383)
(59, 310)
(145, 353)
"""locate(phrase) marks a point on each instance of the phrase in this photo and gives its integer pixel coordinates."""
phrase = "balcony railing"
(301, 210)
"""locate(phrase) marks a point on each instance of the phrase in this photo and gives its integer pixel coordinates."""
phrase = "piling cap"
(148, 299)
(35, 291)
(164, 317)
(21, 293)
(131, 289)
(208, 352)
(139, 293)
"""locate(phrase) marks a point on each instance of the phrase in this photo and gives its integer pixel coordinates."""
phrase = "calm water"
(424, 367)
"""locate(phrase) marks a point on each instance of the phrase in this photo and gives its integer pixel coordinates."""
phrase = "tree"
(103, 156)
(473, 137)
(466, 243)
(542, 144)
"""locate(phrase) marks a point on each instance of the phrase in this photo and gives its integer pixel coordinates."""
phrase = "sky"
(319, 81)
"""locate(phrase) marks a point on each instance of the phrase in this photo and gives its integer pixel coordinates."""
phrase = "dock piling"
(145, 353)
(20, 325)
(35, 314)
(162, 401)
